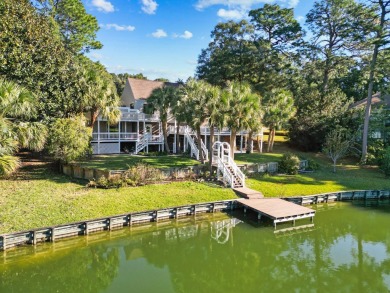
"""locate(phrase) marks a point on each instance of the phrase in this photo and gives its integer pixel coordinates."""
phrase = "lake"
(347, 249)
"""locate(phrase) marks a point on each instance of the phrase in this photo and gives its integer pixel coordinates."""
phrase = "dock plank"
(276, 208)
(248, 193)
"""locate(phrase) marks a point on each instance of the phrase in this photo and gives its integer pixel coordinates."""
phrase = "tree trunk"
(334, 166)
(178, 138)
(199, 140)
(272, 139)
(371, 85)
(269, 140)
(94, 116)
(164, 130)
(249, 146)
(233, 134)
(211, 148)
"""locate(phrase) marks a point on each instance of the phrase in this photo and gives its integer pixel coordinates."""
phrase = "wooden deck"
(277, 209)
(248, 193)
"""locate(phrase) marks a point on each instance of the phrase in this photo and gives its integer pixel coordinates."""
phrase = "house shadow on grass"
(43, 170)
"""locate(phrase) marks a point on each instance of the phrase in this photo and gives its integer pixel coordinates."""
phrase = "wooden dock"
(248, 193)
(277, 209)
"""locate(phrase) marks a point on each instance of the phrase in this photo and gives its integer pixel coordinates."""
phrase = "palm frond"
(8, 165)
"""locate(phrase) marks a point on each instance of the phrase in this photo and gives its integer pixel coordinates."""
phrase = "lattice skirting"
(106, 148)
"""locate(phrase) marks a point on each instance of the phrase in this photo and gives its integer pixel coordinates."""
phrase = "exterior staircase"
(142, 143)
(237, 181)
(227, 170)
(192, 141)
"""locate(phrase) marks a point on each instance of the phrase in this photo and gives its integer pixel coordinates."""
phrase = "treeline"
(343, 57)
(46, 81)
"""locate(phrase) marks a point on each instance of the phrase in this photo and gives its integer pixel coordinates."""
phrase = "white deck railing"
(129, 136)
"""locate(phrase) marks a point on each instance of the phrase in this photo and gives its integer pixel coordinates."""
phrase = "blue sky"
(163, 38)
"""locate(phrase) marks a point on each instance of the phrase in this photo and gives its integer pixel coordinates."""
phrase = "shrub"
(313, 165)
(102, 182)
(384, 163)
(375, 152)
(141, 174)
(289, 164)
(69, 139)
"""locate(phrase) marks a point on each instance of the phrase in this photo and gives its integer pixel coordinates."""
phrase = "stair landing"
(248, 193)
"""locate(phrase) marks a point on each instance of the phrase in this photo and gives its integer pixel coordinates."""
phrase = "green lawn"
(122, 161)
(257, 158)
(349, 175)
(37, 196)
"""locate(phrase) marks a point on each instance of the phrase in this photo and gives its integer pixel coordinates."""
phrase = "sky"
(163, 38)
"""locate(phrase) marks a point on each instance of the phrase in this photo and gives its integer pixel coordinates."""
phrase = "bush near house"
(384, 162)
(289, 164)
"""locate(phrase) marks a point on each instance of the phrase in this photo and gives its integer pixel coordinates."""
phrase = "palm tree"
(180, 113)
(194, 98)
(216, 117)
(242, 109)
(279, 108)
(253, 126)
(161, 100)
(99, 93)
(18, 107)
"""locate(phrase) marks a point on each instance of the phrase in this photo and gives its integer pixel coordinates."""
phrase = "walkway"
(248, 193)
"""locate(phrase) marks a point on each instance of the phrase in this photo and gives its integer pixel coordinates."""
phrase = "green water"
(347, 250)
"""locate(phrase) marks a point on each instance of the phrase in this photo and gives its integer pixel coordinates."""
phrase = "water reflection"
(221, 230)
(347, 250)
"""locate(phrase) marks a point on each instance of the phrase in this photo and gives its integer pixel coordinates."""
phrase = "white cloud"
(231, 14)
(96, 56)
(293, 3)
(186, 35)
(149, 6)
(103, 5)
(300, 18)
(238, 9)
(118, 27)
(201, 4)
(160, 33)
(240, 6)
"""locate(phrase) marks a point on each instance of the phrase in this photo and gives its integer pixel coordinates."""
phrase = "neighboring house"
(139, 132)
(380, 115)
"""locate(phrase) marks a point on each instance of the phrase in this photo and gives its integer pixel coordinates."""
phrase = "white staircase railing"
(194, 151)
(227, 168)
(236, 171)
(143, 142)
(203, 147)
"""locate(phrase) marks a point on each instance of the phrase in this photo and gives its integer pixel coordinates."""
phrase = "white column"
(138, 130)
(119, 132)
(241, 143)
(261, 140)
(175, 138)
(98, 136)
(147, 142)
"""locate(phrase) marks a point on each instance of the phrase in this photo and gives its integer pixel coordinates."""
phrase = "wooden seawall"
(54, 233)
(108, 223)
(340, 196)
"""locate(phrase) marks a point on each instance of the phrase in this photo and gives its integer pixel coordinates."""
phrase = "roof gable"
(142, 89)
